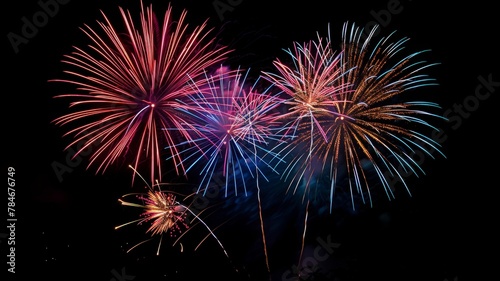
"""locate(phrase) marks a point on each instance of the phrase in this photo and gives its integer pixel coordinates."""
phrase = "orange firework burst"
(311, 83)
(164, 213)
(353, 124)
(131, 85)
(353, 113)
(385, 125)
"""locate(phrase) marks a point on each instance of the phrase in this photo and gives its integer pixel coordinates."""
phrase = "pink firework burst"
(130, 85)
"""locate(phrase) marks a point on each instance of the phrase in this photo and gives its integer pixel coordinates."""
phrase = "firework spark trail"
(233, 125)
(131, 83)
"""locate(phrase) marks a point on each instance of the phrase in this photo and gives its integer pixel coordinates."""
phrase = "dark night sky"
(443, 232)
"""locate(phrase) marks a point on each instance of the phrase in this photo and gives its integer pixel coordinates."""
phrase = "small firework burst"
(164, 213)
(130, 85)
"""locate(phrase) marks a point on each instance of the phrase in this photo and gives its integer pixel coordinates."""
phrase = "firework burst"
(233, 126)
(310, 80)
(164, 214)
(349, 110)
(131, 83)
(352, 113)
(350, 123)
(381, 127)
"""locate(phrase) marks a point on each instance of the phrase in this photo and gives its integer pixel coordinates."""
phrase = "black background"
(444, 231)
